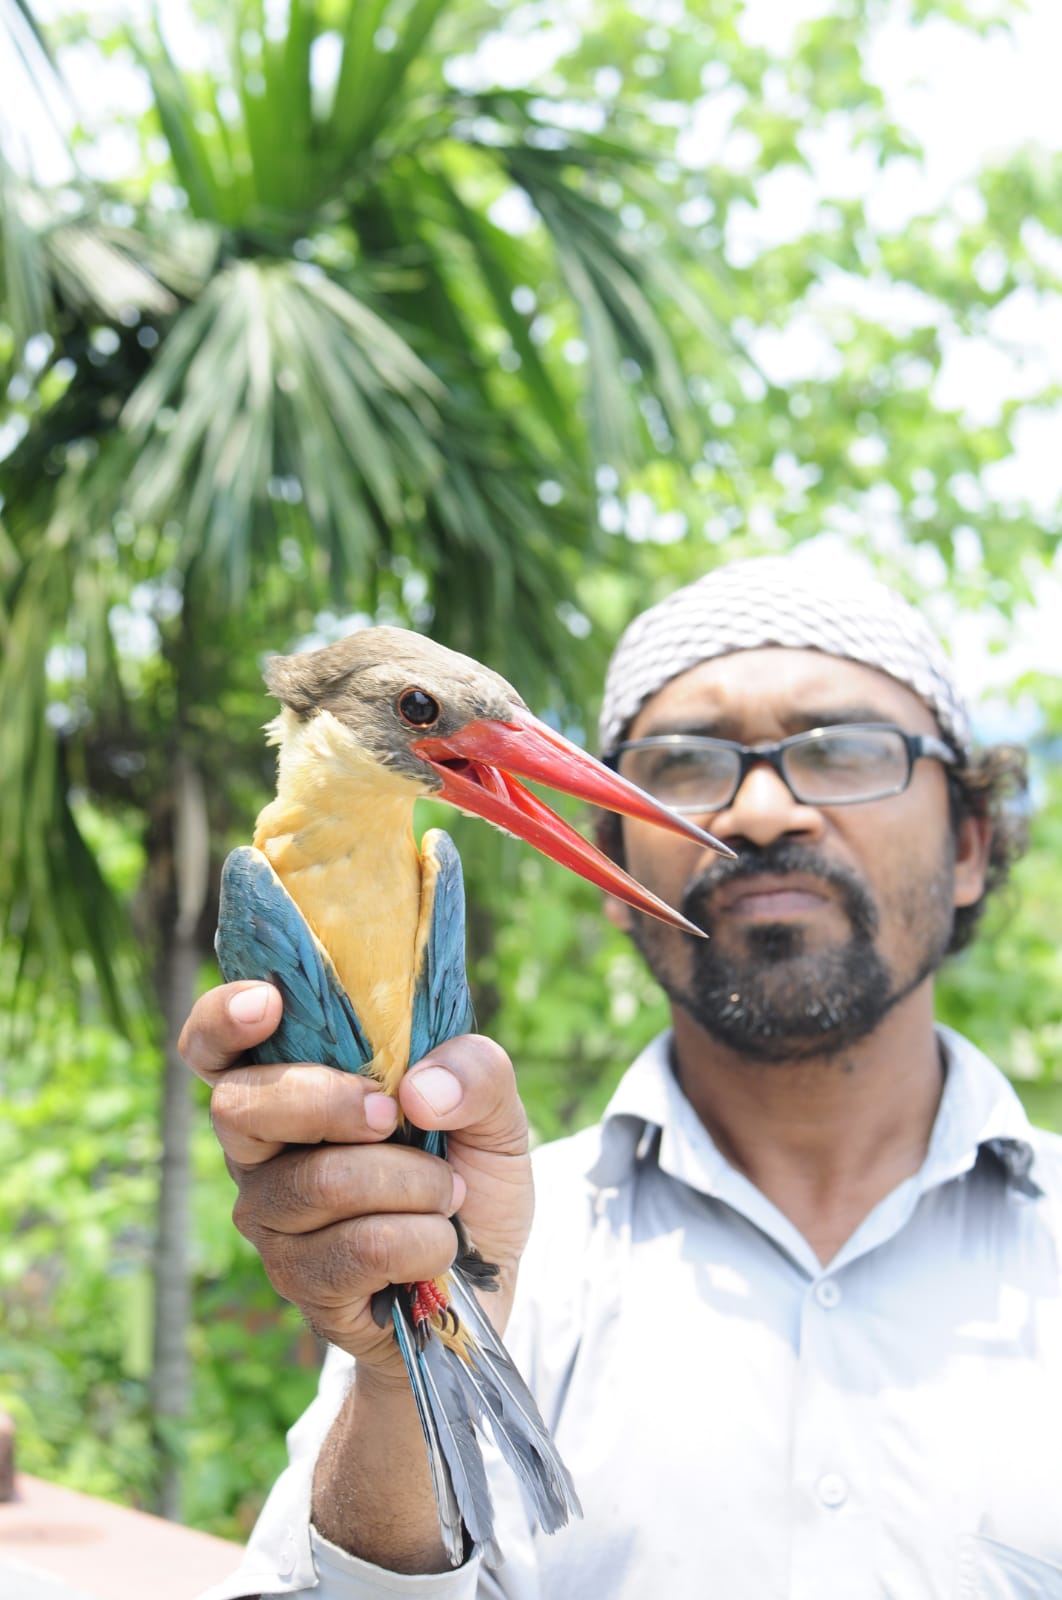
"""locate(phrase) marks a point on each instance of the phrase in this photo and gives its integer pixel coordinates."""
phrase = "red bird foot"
(427, 1302)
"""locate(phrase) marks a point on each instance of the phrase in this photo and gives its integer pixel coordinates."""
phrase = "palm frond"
(25, 284)
(498, 259)
(213, 195)
(51, 260)
(20, 11)
(24, 43)
(96, 269)
(371, 75)
(611, 284)
(278, 372)
(56, 902)
(263, 137)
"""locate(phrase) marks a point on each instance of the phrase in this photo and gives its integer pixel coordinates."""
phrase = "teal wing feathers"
(263, 934)
(442, 1006)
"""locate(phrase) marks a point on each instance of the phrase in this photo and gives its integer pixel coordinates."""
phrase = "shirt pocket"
(988, 1570)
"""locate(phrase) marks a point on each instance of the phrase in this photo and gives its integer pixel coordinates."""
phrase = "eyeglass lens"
(834, 764)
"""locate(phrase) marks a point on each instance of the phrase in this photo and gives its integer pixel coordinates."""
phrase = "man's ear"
(971, 859)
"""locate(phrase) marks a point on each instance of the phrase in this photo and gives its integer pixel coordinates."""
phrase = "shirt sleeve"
(341, 1576)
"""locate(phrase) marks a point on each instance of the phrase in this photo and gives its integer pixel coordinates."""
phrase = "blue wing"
(442, 1006)
(262, 934)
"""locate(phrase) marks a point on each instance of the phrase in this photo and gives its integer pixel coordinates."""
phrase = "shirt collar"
(979, 1110)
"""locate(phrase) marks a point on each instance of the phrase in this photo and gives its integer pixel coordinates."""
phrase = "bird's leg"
(429, 1303)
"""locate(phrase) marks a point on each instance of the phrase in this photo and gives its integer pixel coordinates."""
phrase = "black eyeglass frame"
(916, 746)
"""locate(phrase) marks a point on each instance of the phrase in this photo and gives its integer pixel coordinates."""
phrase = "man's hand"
(335, 1212)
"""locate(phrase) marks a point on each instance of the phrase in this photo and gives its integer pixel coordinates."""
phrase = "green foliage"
(78, 1158)
(77, 1149)
(1004, 991)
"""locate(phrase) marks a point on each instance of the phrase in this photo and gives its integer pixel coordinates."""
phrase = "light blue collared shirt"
(742, 1422)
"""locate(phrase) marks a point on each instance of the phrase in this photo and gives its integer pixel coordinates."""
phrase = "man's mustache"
(777, 860)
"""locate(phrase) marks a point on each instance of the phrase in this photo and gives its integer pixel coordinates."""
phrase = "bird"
(362, 931)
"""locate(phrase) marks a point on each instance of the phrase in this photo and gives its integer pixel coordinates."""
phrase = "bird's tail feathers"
(454, 1427)
(492, 1391)
(466, 1385)
(452, 1514)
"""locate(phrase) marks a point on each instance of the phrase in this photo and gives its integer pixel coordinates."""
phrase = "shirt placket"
(833, 1555)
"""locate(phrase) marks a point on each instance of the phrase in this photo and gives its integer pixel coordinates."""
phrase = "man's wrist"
(372, 1492)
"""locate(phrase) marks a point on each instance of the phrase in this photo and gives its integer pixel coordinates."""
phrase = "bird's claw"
(429, 1307)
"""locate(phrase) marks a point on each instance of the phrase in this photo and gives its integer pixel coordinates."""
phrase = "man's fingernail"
(439, 1088)
(249, 1005)
(460, 1190)
(381, 1113)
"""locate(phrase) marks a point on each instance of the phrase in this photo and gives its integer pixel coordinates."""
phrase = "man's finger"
(343, 1264)
(305, 1190)
(257, 1111)
(227, 1021)
(467, 1085)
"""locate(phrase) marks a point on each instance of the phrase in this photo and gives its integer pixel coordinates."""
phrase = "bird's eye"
(418, 708)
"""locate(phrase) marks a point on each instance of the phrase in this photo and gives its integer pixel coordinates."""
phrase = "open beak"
(479, 764)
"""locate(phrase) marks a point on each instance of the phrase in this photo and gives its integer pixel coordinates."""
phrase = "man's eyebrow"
(796, 721)
(834, 716)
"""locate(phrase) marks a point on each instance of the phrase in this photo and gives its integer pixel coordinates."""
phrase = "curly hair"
(992, 784)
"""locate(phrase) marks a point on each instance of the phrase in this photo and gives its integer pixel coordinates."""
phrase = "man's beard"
(785, 999)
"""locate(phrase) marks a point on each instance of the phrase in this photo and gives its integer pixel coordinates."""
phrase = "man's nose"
(764, 810)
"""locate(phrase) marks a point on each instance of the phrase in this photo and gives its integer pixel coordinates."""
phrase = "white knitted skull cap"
(778, 600)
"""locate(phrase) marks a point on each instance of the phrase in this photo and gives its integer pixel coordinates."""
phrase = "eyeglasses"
(838, 766)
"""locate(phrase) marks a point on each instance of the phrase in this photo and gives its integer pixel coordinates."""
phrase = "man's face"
(831, 915)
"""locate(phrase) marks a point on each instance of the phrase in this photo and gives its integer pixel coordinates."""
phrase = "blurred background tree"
(455, 315)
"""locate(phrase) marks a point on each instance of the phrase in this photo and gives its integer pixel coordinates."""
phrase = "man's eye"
(844, 751)
(680, 770)
(673, 764)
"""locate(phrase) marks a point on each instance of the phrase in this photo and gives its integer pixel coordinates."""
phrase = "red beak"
(477, 764)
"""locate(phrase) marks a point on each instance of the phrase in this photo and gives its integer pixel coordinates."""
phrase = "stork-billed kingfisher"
(363, 934)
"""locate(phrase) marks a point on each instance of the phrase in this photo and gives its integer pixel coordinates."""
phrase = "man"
(793, 1310)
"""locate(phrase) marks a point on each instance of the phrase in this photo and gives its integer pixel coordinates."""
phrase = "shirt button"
(828, 1293)
(832, 1490)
